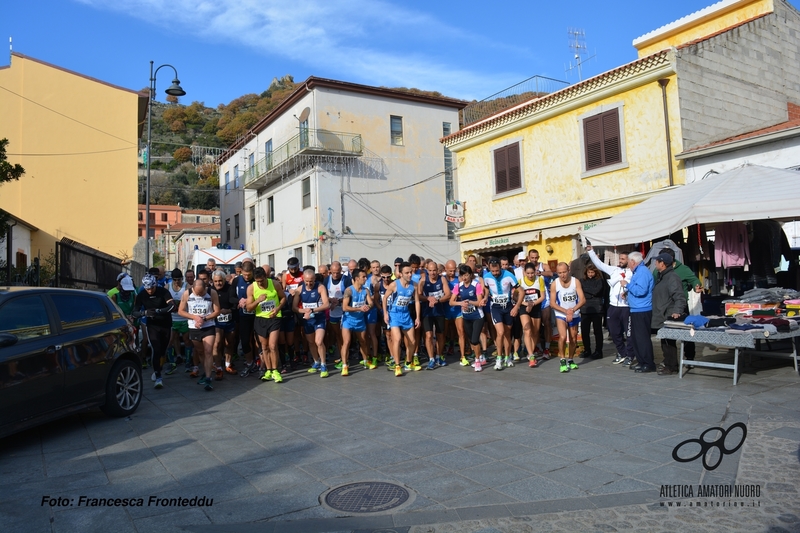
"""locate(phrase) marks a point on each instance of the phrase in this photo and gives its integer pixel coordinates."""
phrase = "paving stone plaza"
(520, 450)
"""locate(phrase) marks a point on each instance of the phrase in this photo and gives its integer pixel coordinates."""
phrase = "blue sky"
(225, 48)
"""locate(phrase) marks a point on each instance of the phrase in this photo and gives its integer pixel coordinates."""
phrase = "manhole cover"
(367, 497)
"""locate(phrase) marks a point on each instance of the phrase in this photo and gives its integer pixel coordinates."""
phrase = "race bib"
(531, 296)
(246, 312)
(569, 298)
(267, 306)
(501, 299)
(438, 295)
(197, 310)
(470, 309)
(402, 301)
(223, 318)
(310, 306)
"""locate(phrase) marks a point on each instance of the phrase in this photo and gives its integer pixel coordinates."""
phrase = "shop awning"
(501, 242)
(749, 192)
(568, 229)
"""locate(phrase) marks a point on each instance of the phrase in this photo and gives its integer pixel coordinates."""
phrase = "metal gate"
(82, 267)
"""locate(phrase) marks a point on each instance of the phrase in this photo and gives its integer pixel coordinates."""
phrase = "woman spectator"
(592, 311)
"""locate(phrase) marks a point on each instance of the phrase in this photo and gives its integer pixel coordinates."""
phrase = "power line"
(65, 116)
(438, 174)
(75, 153)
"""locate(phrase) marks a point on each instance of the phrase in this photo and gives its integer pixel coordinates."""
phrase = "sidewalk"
(517, 450)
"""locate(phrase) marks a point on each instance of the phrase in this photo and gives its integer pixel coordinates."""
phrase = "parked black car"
(62, 351)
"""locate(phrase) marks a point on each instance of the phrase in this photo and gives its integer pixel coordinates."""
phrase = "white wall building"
(341, 171)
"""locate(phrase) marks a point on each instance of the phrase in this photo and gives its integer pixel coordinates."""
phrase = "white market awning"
(749, 192)
(501, 242)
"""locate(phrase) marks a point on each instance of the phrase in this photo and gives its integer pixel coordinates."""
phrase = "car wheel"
(124, 389)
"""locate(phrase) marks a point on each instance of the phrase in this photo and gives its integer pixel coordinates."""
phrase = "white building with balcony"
(340, 171)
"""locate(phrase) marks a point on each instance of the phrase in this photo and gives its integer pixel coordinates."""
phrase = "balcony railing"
(309, 143)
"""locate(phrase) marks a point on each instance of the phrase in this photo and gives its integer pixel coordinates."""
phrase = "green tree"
(8, 172)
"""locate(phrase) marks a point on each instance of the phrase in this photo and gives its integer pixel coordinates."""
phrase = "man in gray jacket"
(669, 303)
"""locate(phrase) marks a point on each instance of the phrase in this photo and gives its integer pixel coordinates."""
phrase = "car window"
(78, 311)
(25, 317)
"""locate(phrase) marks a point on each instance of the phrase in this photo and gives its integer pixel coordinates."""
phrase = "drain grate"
(367, 497)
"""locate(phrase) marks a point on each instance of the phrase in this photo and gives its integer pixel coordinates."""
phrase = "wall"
(740, 80)
(91, 195)
(20, 242)
(784, 153)
(556, 194)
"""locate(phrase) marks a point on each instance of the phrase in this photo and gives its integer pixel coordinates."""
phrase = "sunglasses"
(494, 262)
(386, 277)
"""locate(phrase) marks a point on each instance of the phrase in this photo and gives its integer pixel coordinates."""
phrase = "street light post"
(173, 90)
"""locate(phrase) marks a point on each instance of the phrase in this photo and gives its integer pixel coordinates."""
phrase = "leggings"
(588, 320)
(158, 337)
(472, 331)
(246, 324)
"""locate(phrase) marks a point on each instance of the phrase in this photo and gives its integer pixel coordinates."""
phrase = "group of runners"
(362, 314)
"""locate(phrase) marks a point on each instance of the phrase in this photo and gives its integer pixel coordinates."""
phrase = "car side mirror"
(7, 339)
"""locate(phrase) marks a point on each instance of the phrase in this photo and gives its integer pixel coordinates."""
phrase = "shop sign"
(454, 212)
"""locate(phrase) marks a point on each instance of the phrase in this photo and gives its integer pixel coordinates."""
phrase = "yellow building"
(535, 175)
(77, 138)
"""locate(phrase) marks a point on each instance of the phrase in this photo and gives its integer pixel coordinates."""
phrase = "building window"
(141, 216)
(152, 217)
(236, 177)
(213, 220)
(268, 153)
(22, 260)
(236, 226)
(397, 130)
(304, 134)
(270, 210)
(602, 136)
(507, 169)
(227, 183)
(271, 260)
(141, 232)
(163, 217)
(251, 160)
(198, 219)
(227, 230)
(306, 193)
(298, 253)
(252, 218)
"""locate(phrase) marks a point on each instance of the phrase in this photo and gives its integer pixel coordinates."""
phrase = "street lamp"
(174, 90)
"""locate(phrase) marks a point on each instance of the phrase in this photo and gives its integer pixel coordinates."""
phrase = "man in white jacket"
(618, 317)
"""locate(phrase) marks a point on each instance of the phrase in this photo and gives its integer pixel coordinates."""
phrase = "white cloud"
(366, 41)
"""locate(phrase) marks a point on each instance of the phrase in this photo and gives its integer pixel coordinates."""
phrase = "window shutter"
(514, 174)
(611, 145)
(501, 170)
(593, 141)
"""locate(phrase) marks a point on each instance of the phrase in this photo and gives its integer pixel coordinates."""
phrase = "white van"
(226, 259)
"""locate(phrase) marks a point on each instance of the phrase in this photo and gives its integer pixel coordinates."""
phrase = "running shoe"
(618, 359)
(398, 371)
(338, 364)
(170, 368)
(509, 362)
(145, 366)
(323, 371)
(627, 361)
(159, 384)
(442, 362)
(477, 366)
(411, 367)
(390, 366)
(515, 357)
(532, 362)
(431, 364)
(573, 365)
(189, 366)
(247, 370)
(345, 371)
(219, 374)
(277, 377)
(202, 379)
(372, 365)
(464, 361)
(267, 375)
(564, 366)
(208, 385)
(546, 354)
(230, 370)
(483, 359)
(314, 368)
(416, 360)
(498, 363)
(195, 372)
(153, 376)
(285, 369)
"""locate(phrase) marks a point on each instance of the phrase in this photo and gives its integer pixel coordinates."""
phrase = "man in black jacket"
(669, 303)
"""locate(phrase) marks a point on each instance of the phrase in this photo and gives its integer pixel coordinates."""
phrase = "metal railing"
(533, 87)
(310, 142)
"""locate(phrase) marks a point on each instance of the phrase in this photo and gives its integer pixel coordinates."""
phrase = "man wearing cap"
(156, 304)
(639, 293)
(124, 293)
(180, 326)
(669, 303)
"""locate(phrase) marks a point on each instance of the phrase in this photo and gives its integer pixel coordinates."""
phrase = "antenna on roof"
(10, 47)
(577, 42)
